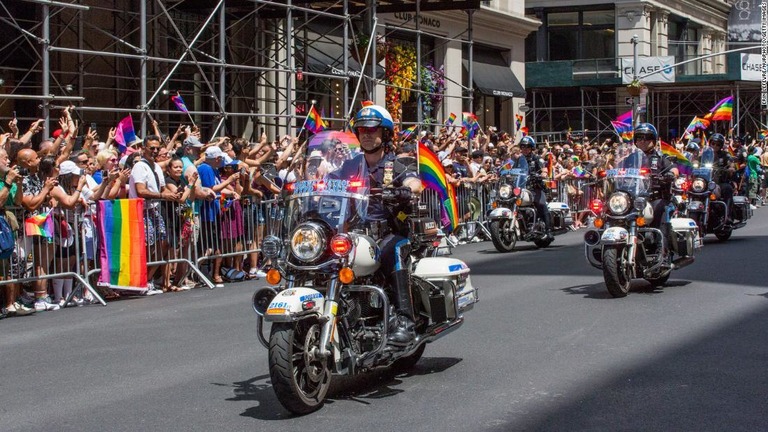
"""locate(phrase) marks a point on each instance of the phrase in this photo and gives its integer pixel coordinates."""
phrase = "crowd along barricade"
(235, 230)
(50, 245)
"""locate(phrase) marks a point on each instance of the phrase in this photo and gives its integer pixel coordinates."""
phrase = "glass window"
(557, 19)
(592, 18)
(563, 44)
(597, 44)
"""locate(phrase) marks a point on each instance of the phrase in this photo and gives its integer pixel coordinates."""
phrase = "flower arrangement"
(433, 83)
(635, 87)
(401, 75)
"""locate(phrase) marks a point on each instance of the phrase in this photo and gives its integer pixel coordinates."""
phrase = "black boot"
(401, 330)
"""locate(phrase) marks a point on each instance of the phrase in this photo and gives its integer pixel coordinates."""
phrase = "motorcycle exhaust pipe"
(261, 300)
(682, 262)
(591, 237)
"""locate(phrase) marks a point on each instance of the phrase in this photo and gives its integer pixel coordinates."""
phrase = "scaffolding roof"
(336, 7)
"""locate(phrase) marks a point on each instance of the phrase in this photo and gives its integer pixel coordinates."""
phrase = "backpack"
(7, 241)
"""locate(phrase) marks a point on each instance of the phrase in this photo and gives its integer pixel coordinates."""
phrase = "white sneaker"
(752, 206)
(453, 239)
(19, 309)
(44, 305)
(152, 291)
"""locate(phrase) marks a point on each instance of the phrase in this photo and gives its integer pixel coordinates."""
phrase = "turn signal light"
(597, 206)
(273, 276)
(341, 245)
(712, 197)
(346, 275)
(598, 223)
(640, 221)
(494, 205)
(519, 201)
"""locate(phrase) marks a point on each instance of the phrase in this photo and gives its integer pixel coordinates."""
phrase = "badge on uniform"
(389, 169)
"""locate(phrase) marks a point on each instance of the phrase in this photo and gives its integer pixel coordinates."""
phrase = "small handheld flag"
(406, 134)
(179, 102)
(432, 177)
(451, 119)
(40, 225)
(723, 110)
(683, 164)
(314, 122)
(124, 133)
(518, 121)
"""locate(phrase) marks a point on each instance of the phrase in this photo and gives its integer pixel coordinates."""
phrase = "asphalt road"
(546, 349)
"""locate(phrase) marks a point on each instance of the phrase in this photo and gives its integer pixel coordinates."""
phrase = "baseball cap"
(192, 142)
(447, 162)
(214, 153)
(69, 167)
(477, 153)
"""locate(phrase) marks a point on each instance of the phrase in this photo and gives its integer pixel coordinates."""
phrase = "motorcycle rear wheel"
(615, 273)
(503, 235)
(300, 380)
(724, 234)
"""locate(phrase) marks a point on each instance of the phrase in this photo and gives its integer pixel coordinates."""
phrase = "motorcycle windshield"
(706, 161)
(631, 175)
(334, 186)
(515, 177)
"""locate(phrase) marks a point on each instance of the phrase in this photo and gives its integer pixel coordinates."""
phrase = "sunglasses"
(340, 150)
(367, 129)
(82, 161)
(113, 160)
(153, 149)
(644, 137)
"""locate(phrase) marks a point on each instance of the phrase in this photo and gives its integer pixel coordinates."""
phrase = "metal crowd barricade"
(61, 258)
(238, 230)
(473, 202)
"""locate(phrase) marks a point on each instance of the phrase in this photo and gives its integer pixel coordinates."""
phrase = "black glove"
(669, 177)
(403, 193)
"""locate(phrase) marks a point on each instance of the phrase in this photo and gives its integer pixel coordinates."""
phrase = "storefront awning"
(493, 77)
(328, 58)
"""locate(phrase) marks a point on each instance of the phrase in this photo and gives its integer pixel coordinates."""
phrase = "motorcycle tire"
(299, 381)
(616, 277)
(407, 363)
(503, 235)
(724, 234)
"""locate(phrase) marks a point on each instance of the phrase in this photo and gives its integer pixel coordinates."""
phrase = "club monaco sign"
(423, 20)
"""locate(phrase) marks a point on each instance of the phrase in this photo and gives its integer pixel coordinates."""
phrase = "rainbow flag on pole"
(432, 177)
(406, 134)
(624, 131)
(40, 225)
(123, 249)
(518, 121)
(723, 110)
(625, 118)
(124, 133)
(314, 122)
(451, 119)
(683, 164)
(179, 102)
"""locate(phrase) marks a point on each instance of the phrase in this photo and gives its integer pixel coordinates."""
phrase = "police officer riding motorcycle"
(537, 172)
(347, 294)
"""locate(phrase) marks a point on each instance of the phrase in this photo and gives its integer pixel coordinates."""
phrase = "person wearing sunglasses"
(663, 170)
(374, 128)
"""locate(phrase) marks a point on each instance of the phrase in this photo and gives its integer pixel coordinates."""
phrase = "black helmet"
(718, 139)
(528, 142)
(646, 130)
(692, 147)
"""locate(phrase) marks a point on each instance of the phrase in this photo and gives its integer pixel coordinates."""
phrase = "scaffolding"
(240, 64)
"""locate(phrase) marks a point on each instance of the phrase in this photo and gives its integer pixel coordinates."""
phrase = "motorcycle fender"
(614, 235)
(289, 305)
(500, 213)
(695, 206)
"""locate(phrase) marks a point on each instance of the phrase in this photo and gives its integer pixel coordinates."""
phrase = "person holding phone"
(178, 214)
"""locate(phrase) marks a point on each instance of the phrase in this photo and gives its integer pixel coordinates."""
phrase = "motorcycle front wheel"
(615, 271)
(503, 235)
(299, 378)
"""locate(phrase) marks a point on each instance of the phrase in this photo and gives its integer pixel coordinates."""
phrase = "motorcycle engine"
(365, 321)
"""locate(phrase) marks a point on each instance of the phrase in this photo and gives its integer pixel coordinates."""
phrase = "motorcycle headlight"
(698, 185)
(618, 203)
(679, 182)
(308, 242)
(271, 246)
(505, 191)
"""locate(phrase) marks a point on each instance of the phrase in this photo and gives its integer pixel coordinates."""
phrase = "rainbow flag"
(518, 121)
(697, 123)
(40, 225)
(179, 102)
(469, 124)
(524, 130)
(761, 135)
(124, 133)
(432, 177)
(123, 251)
(683, 164)
(623, 130)
(451, 119)
(579, 172)
(625, 118)
(731, 151)
(550, 166)
(314, 122)
(406, 134)
(723, 110)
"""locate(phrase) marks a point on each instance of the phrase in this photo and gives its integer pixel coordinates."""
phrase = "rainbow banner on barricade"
(123, 245)
(432, 177)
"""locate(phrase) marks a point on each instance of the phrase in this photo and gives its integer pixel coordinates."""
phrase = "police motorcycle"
(514, 215)
(705, 205)
(620, 241)
(327, 304)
